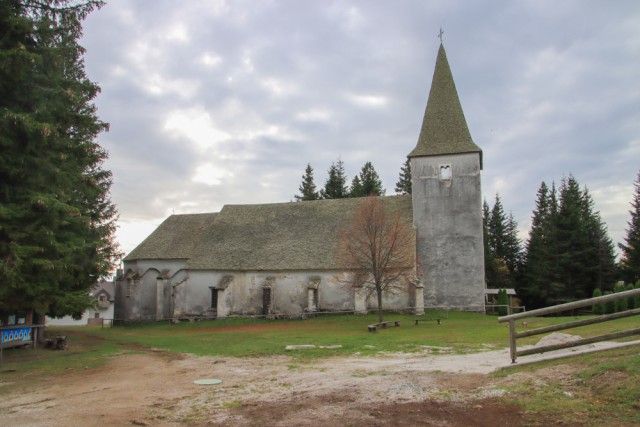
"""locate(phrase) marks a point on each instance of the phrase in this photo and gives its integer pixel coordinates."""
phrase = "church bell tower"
(447, 200)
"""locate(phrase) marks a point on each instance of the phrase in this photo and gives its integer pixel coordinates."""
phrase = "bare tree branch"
(380, 248)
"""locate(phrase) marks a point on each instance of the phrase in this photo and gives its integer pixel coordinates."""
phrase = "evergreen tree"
(630, 249)
(497, 228)
(57, 220)
(356, 187)
(573, 243)
(403, 186)
(502, 246)
(601, 266)
(368, 183)
(307, 187)
(488, 253)
(569, 253)
(512, 247)
(336, 184)
(539, 275)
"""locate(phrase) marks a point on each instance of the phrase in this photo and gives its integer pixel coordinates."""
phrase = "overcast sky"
(225, 102)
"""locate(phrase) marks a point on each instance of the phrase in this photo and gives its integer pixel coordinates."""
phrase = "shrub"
(503, 301)
(598, 308)
(621, 304)
(609, 306)
(631, 301)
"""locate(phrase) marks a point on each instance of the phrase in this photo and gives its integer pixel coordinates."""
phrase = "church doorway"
(266, 301)
(214, 302)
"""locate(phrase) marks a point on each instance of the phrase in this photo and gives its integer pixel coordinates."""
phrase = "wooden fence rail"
(514, 335)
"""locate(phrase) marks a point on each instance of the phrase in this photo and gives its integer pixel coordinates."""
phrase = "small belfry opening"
(445, 172)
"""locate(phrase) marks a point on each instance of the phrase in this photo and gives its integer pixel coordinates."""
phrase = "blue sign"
(17, 334)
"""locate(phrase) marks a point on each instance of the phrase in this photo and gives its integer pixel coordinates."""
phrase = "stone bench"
(383, 325)
(427, 320)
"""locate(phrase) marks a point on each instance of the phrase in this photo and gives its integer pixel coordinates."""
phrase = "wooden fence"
(513, 318)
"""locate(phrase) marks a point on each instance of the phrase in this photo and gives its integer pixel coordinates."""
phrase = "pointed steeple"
(444, 128)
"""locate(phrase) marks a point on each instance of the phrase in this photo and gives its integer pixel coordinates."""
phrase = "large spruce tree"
(367, 183)
(336, 185)
(630, 256)
(403, 186)
(539, 275)
(56, 218)
(308, 187)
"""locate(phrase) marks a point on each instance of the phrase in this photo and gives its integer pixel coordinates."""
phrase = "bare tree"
(380, 246)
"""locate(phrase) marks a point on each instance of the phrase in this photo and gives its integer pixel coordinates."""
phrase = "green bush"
(637, 297)
(621, 304)
(503, 301)
(609, 306)
(598, 308)
(631, 301)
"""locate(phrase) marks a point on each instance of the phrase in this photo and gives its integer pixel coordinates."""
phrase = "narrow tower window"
(445, 172)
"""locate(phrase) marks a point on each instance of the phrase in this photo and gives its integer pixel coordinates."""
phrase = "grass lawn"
(596, 389)
(599, 386)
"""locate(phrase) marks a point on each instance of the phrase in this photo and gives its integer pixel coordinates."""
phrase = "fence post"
(512, 340)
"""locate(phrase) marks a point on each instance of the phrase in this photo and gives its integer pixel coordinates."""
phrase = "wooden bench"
(383, 325)
(427, 320)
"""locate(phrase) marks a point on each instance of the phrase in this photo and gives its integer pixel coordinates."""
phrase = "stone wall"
(447, 214)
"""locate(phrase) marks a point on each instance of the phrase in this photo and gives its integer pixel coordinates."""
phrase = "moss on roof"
(281, 236)
(175, 238)
(444, 128)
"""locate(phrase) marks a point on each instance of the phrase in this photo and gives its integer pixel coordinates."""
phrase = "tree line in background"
(366, 183)
(569, 254)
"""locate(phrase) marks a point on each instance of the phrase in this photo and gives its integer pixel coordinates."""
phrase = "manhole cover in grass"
(208, 381)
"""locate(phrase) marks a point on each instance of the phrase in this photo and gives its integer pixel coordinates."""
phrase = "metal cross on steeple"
(440, 34)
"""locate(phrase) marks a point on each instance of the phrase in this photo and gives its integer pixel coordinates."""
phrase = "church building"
(280, 259)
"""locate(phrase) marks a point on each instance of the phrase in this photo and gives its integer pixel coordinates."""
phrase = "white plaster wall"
(106, 313)
(448, 220)
(188, 293)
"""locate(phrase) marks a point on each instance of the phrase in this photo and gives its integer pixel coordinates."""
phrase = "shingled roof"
(175, 238)
(444, 128)
(268, 237)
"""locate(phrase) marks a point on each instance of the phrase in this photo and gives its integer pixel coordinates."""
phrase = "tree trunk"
(380, 314)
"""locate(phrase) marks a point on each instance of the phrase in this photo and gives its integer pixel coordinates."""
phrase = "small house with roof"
(103, 300)
(280, 259)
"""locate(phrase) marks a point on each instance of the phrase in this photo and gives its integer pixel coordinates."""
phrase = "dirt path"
(157, 389)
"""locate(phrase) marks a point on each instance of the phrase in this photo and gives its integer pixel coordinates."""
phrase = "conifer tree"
(57, 221)
(503, 302)
(497, 228)
(630, 249)
(403, 186)
(569, 252)
(356, 187)
(512, 247)
(600, 267)
(502, 246)
(539, 268)
(488, 253)
(307, 187)
(336, 184)
(368, 183)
